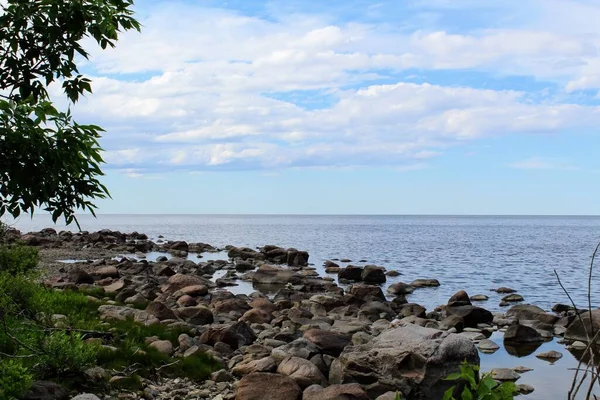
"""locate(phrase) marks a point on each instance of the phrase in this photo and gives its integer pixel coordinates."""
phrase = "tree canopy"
(47, 160)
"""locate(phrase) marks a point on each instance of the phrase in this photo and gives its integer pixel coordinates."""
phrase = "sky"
(351, 107)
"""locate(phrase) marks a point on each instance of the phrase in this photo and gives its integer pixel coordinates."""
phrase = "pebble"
(551, 356)
(525, 389)
(520, 369)
(488, 346)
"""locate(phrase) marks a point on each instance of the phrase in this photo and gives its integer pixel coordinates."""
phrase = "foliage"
(46, 158)
(15, 379)
(484, 388)
(62, 353)
(18, 259)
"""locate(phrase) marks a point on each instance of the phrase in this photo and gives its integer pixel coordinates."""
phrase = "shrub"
(18, 259)
(484, 388)
(63, 352)
(15, 379)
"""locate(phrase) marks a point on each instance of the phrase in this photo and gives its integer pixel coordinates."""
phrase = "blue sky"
(354, 106)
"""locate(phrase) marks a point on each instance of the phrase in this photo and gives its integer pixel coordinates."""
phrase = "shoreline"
(297, 286)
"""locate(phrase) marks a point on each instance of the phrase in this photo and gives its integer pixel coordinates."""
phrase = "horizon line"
(332, 215)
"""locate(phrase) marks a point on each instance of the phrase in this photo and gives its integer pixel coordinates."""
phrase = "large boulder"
(236, 335)
(304, 372)
(580, 331)
(362, 292)
(245, 253)
(160, 311)
(521, 334)
(180, 281)
(264, 385)
(350, 391)
(196, 315)
(373, 274)
(329, 342)
(530, 312)
(460, 298)
(79, 276)
(471, 315)
(351, 273)
(410, 358)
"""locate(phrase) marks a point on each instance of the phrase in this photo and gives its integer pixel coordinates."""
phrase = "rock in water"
(264, 385)
(518, 334)
(410, 357)
(551, 356)
(579, 331)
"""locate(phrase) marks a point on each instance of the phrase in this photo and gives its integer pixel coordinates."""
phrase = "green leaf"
(453, 377)
(448, 394)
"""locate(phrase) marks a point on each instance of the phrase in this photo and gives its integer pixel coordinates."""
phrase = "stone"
(329, 342)
(221, 376)
(42, 390)
(577, 345)
(460, 298)
(479, 297)
(198, 315)
(243, 266)
(160, 311)
(531, 312)
(263, 385)
(525, 389)
(351, 273)
(136, 300)
(521, 369)
(187, 301)
(304, 372)
(551, 356)
(408, 357)
(114, 287)
(388, 396)
(302, 348)
(361, 291)
(79, 276)
(471, 315)
(256, 316)
(373, 274)
(399, 288)
(194, 290)
(109, 271)
(505, 290)
(453, 321)
(266, 364)
(120, 313)
(180, 281)
(412, 309)
(474, 336)
(579, 331)
(349, 391)
(163, 347)
(513, 298)
(271, 275)
(419, 283)
(519, 334)
(86, 396)
(236, 335)
(487, 346)
(505, 374)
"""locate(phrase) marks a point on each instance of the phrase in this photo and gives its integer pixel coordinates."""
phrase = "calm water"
(471, 253)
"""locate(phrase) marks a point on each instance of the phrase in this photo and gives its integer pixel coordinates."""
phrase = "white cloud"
(540, 163)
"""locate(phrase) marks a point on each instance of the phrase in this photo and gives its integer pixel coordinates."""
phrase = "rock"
(262, 386)
(349, 391)
(513, 298)
(504, 374)
(361, 291)
(236, 335)
(392, 273)
(136, 300)
(400, 288)
(460, 298)
(109, 271)
(505, 290)
(453, 321)
(351, 273)
(521, 370)
(86, 396)
(271, 275)
(79, 276)
(551, 356)
(266, 364)
(488, 346)
(234, 304)
(411, 309)
(578, 330)
(471, 315)
(519, 334)
(419, 283)
(187, 301)
(404, 357)
(160, 311)
(221, 376)
(198, 315)
(388, 396)
(302, 348)
(180, 281)
(114, 287)
(329, 342)
(164, 270)
(525, 389)
(302, 371)
(479, 297)
(531, 312)
(243, 266)
(577, 345)
(97, 374)
(42, 390)
(194, 290)
(119, 313)
(373, 274)
(256, 316)
(163, 347)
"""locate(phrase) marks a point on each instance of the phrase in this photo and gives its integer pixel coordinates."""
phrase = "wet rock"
(488, 346)
(579, 331)
(471, 315)
(392, 273)
(349, 391)
(304, 372)
(411, 309)
(479, 297)
(504, 374)
(236, 335)
(551, 356)
(262, 385)
(453, 321)
(521, 369)
(351, 273)
(400, 288)
(505, 290)
(373, 274)
(460, 298)
(329, 342)
(513, 298)
(419, 283)
(519, 334)
(405, 357)
(525, 389)
(531, 312)
(160, 311)
(243, 266)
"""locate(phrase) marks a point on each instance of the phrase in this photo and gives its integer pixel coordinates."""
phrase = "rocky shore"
(312, 338)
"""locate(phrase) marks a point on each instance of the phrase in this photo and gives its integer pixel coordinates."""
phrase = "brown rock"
(196, 315)
(304, 372)
(329, 342)
(267, 386)
(187, 301)
(349, 391)
(256, 316)
(160, 311)
(163, 346)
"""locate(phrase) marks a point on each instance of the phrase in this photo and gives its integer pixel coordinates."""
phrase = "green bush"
(15, 379)
(485, 388)
(63, 353)
(17, 294)
(18, 259)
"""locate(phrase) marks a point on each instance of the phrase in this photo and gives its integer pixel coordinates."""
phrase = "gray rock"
(86, 396)
(419, 283)
(551, 356)
(525, 389)
(522, 334)
(488, 346)
(400, 288)
(304, 372)
(120, 313)
(579, 331)
(505, 374)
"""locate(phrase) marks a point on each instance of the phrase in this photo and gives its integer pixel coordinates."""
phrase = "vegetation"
(475, 388)
(57, 335)
(46, 158)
